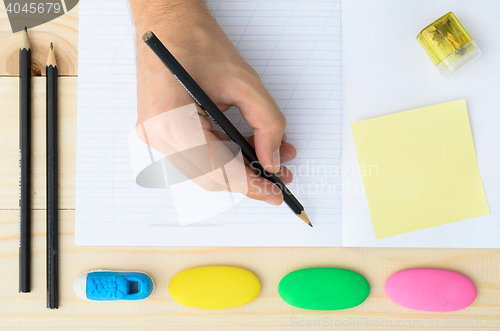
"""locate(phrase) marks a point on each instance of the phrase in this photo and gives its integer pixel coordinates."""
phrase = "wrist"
(174, 17)
(179, 24)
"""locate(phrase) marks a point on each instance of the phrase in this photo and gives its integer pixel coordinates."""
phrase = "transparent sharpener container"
(448, 45)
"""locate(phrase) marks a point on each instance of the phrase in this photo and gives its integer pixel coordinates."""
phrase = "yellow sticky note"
(422, 166)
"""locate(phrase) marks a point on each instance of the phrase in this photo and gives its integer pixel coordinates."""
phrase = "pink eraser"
(430, 289)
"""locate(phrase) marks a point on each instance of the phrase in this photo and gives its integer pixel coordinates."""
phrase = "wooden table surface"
(160, 312)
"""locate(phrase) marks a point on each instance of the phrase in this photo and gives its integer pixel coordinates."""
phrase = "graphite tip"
(303, 216)
(25, 42)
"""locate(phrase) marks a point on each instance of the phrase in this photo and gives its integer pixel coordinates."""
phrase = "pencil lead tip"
(310, 224)
(25, 42)
(303, 216)
(51, 46)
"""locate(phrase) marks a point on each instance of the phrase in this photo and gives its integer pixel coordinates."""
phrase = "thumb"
(263, 114)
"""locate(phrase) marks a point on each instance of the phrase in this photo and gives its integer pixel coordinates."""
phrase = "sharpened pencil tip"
(51, 60)
(25, 42)
(303, 216)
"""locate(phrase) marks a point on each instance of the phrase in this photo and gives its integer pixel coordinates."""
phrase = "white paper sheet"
(296, 48)
(387, 71)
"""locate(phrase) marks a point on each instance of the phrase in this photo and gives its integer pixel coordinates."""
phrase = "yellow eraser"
(448, 45)
(214, 287)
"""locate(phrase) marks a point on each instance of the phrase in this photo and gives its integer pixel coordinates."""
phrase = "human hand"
(188, 30)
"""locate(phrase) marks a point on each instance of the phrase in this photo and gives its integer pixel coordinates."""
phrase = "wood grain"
(63, 32)
(267, 312)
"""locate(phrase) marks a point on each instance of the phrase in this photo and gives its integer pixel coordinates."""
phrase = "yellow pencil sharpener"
(448, 45)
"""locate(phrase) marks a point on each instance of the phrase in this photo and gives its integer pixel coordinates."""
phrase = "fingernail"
(273, 202)
(276, 159)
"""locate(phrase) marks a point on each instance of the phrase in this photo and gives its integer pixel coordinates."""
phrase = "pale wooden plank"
(9, 142)
(267, 312)
(63, 32)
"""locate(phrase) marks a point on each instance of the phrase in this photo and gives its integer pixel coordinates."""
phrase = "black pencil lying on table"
(52, 207)
(25, 164)
(220, 119)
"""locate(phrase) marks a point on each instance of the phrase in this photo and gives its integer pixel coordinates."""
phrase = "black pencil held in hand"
(221, 120)
(52, 194)
(25, 165)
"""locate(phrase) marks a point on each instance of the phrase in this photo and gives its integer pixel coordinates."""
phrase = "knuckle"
(279, 122)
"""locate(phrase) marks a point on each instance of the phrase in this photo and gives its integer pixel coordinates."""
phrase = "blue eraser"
(108, 285)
